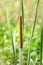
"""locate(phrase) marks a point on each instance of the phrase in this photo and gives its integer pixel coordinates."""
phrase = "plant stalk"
(22, 7)
(14, 50)
(21, 44)
(41, 44)
(28, 60)
(21, 33)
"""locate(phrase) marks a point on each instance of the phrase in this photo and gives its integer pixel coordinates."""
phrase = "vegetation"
(10, 51)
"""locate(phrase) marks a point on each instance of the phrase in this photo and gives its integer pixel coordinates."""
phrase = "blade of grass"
(28, 60)
(14, 50)
(22, 7)
(41, 45)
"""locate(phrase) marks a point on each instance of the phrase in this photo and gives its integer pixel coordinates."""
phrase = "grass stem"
(28, 60)
(14, 50)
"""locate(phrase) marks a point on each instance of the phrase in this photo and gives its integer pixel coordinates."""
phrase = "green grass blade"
(41, 45)
(35, 18)
(28, 60)
(22, 13)
(14, 50)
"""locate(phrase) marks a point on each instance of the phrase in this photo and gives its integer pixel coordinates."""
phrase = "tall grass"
(28, 60)
(14, 50)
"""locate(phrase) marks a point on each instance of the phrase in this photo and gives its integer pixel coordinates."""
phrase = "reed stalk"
(28, 60)
(22, 9)
(14, 50)
(21, 44)
(41, 44)
(21, 34)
